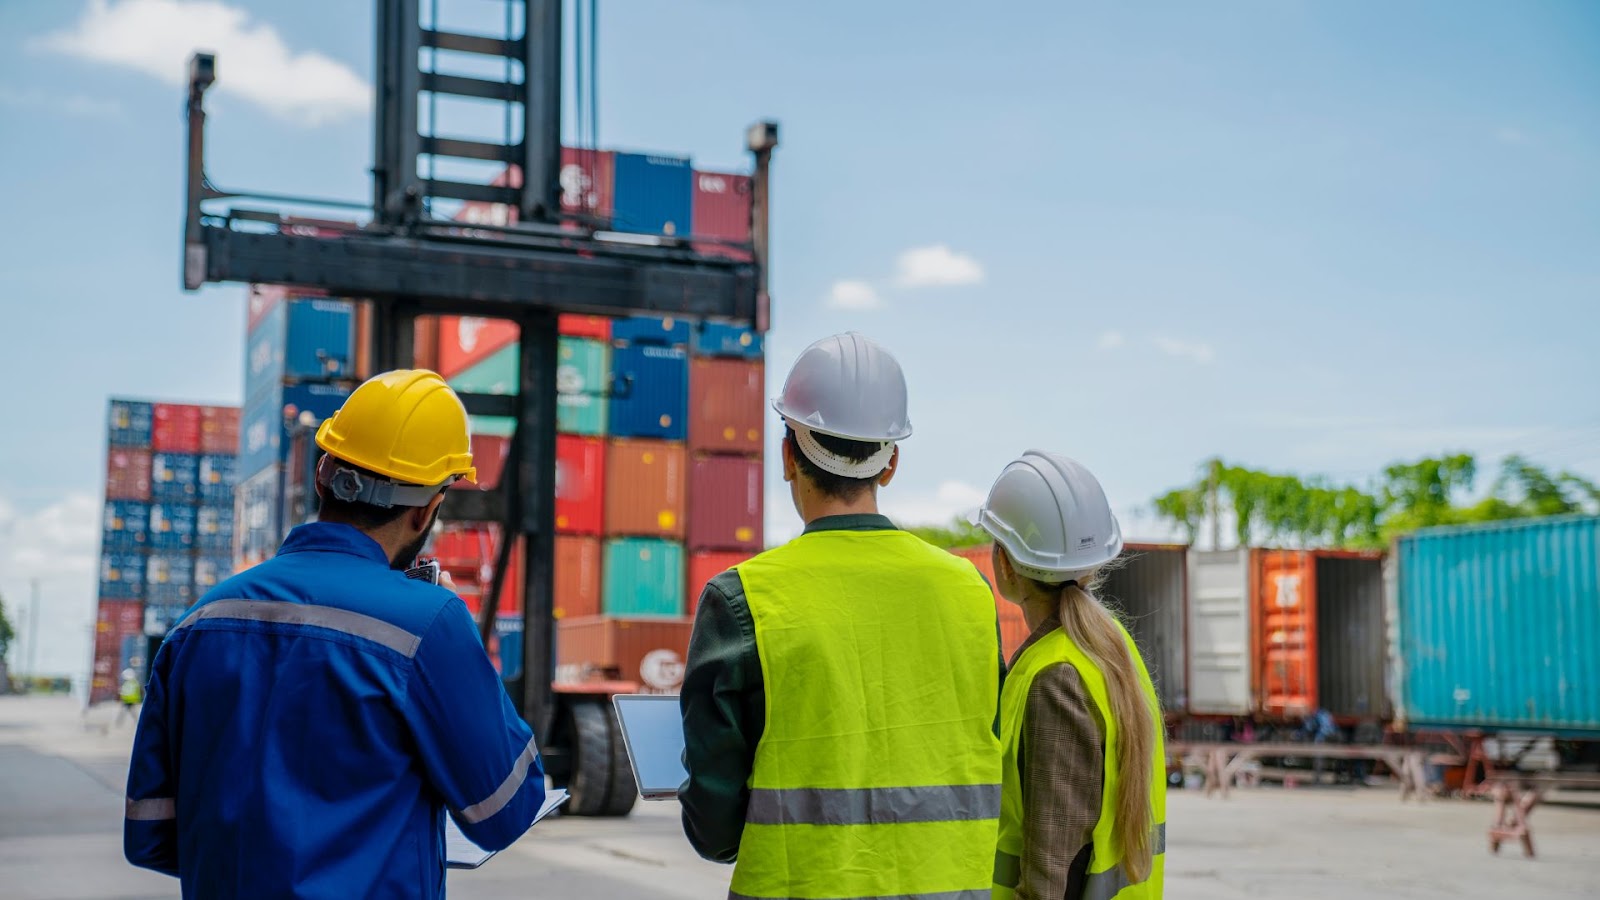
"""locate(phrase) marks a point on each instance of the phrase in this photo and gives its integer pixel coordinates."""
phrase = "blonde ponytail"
(1096, 632)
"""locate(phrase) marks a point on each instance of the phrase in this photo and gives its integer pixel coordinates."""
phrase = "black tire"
(602, 781)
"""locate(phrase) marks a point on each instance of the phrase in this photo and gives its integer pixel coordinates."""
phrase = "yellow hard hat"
(407, 425)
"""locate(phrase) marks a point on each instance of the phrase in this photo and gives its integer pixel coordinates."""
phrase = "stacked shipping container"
(166, 535)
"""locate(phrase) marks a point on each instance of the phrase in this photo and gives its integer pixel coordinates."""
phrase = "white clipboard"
(461, 853)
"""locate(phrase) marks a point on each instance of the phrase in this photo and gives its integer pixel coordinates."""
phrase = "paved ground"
(61, 781)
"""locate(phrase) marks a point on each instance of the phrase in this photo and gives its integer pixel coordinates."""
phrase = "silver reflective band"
(973, 894)
(280, 612)
(1107, 884)
(502, 795)
(1007, 869)
(155, 809)
(873, 806)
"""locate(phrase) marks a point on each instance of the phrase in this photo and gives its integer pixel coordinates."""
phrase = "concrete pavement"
(62, 777)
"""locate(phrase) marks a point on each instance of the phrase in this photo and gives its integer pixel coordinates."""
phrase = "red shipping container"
(703, 567)
(115, 620)
(580, 484)
(177, 429)
(489, 458)
(127, 474)
(469, 552)
(721, 209)
(727, 407)
(647, 651)
(219, 429)
(424, 343)
(645, 482)
(597, 327)
(587, 178)
(1013, 627)
(465, 341)
(577, 576)
(725, 509)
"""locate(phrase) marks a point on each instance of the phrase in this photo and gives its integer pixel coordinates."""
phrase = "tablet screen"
(653, 729)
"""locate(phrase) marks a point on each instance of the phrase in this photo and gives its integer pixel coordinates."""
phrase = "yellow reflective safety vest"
(878, 771)
(1105, 877)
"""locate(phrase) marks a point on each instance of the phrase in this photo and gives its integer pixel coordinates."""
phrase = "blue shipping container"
(130, 423)
(508, 634)
(210, 571)
(649, 392)
(216, 477)
(1500, 625)
(213, 528)
(121, 576)
(169, 578)
(172, 527)
(722, 339)
(653, 194)
(265, 422)
(174, 477)
(650, 330)
(127, 526)
(160, 617)
(301, 340)
(260, 516)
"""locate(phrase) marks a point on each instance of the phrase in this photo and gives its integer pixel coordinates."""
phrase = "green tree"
(959, 533)
(7, 633)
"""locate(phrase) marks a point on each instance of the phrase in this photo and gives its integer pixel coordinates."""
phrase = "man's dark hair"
(836, 486)
(364, 516)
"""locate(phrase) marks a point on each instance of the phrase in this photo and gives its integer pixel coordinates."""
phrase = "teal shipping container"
(1499, 626)
(643, 577)
(582, 368)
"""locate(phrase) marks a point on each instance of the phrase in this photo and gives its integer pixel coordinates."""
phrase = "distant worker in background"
(840, 695)
(1083, 813)
(311, 720)
(131, 694)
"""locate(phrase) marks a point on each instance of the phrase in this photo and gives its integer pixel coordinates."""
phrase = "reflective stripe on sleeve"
(1007, 869)
(285, 613)
(502, 795)
(155, 809)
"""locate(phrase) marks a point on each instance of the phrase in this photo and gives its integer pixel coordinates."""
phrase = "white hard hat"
(127, 673)
(1052, 517)
(846, 386)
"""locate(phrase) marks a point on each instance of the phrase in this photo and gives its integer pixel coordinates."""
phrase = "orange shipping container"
(577, 576)
(1013, 628)
(465, 341)
(1286, 619)
(647, 651)
(728, 405)
(705, 566)
(645, 483)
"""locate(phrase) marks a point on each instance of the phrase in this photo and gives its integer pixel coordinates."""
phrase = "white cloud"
(156, 37)
(937, 265)
(59, 545)
(952, 499)
(853, 295)
(1193, 351)
(1112, 340)
(80, 105)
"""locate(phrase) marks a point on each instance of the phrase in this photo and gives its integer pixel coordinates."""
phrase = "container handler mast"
(407, 263)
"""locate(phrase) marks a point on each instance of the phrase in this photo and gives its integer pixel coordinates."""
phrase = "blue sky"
(1307, 236)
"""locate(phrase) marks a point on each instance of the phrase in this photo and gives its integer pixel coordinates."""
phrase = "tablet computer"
(652, 731)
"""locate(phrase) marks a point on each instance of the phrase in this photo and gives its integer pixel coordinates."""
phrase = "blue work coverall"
(309, 722)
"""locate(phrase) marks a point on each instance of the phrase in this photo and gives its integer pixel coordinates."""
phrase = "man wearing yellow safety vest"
(1083, 814)
(840, 697)
(312, 720)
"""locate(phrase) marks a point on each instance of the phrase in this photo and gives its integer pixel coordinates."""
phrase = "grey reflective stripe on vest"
(1007, 869)
(281, 612)
(502, 795)
(1099, 886)
(873, 806)
(975, 894)
(1107, 884)
(155, 809)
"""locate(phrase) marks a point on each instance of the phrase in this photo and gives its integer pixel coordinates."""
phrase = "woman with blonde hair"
(1083, 798)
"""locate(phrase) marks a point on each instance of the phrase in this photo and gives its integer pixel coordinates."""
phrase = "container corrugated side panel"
(1285, 588)
(729, 407)
(129, 423)
(1013, 627)
(1148, 586)
(725, 506)
(320, 340)
(669, 330)
(653, 194)
(712, 338)
(127, 474)
(1351, 644)
(495, 374)
(580, 484)
(1500, 625)
(577, 576)
(645, 484)
(646, 650)
(1220, 680)
(465, 341)
(649, 392)
(722, 210)
(643, 577)
(581, 373)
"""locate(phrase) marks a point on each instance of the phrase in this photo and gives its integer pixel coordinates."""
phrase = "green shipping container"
(643, 577)
(581, 369)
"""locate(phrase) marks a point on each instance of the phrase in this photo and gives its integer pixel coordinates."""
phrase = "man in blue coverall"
(310, 721)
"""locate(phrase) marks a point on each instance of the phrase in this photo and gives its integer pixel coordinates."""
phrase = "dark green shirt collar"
(852, 522)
